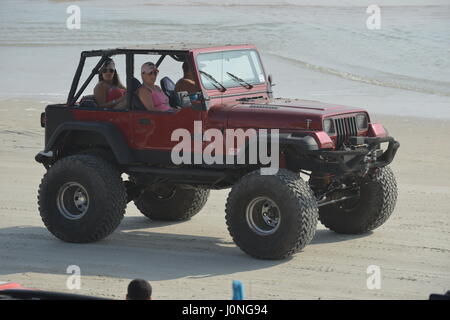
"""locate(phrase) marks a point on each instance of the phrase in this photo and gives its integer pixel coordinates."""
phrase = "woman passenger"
(109, 91)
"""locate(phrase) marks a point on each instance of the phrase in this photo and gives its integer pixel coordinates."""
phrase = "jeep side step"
(212, 178)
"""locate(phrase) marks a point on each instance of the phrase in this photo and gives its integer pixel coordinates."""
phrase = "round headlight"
(328, 126)
(361, 122)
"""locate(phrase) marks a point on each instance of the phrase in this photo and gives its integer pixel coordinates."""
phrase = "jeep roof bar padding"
(85, 84)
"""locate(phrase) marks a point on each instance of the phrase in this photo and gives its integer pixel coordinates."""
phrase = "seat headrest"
(135, 84)
(167, 85)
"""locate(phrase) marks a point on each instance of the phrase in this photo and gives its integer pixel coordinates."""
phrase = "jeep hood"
(278, 113)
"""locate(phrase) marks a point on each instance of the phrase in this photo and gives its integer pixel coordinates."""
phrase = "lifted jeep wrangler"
(82, 197)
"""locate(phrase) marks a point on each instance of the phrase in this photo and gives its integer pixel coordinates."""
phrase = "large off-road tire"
(271, 216)
(82, 198)
(171, 203)
(370, 210)
(104, 153)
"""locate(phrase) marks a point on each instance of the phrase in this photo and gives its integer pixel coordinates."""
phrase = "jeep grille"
(345, 128)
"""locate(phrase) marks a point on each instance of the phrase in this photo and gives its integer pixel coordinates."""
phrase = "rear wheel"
(82, 199)
(370, 210)
(103, 153)
(171, 202)
(271, 216)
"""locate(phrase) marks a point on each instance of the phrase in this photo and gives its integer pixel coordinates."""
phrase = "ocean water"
(322, 40)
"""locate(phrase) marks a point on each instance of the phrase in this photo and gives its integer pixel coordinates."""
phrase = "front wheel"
(271, 216)
(375, 204)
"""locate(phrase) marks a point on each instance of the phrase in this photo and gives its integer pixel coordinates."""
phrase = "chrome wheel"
(73, 201)
(263, 216)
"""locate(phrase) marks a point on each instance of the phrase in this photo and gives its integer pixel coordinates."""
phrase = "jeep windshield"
(213, 80)
(233, 68)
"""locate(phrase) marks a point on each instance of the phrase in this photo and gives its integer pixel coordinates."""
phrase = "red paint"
(11, 285)
(377, 130)
(282, 163)
(323, 139)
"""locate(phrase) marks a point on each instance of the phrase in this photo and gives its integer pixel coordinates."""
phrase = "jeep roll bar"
(72, 98)
(177, 55)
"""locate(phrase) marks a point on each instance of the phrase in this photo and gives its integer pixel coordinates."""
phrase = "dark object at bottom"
(436, 296)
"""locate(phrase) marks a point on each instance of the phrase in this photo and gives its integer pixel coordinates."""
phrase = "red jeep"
(270, 215)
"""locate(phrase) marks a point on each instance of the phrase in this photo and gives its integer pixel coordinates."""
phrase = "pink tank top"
(115, 93)
(160, 100)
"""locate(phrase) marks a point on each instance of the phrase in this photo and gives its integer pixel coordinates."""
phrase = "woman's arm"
(186, 85)
(100, 94)
(120, 103)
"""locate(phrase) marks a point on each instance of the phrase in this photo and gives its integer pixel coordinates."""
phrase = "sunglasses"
(108, 70)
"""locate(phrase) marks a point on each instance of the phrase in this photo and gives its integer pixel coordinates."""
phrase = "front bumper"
(362, 153)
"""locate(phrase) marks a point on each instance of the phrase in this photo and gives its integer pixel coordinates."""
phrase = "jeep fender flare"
(108, 131)
(302, 143)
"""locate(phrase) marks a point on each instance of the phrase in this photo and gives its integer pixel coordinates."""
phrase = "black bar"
(340, 132)
(98, 53)
(112, 52)
(76, 79)
(240, 309)
(130, 75)
(346, 128)
(353, 131)
(160, 60)
(22, 294)
(181, 172)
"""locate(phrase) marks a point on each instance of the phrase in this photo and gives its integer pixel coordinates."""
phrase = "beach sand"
(198, 260)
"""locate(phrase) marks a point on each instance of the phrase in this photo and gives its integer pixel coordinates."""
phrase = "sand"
(198, 260)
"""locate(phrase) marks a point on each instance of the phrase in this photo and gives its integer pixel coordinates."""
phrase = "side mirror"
(269, 86)
(269, 79)
(183, 99)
